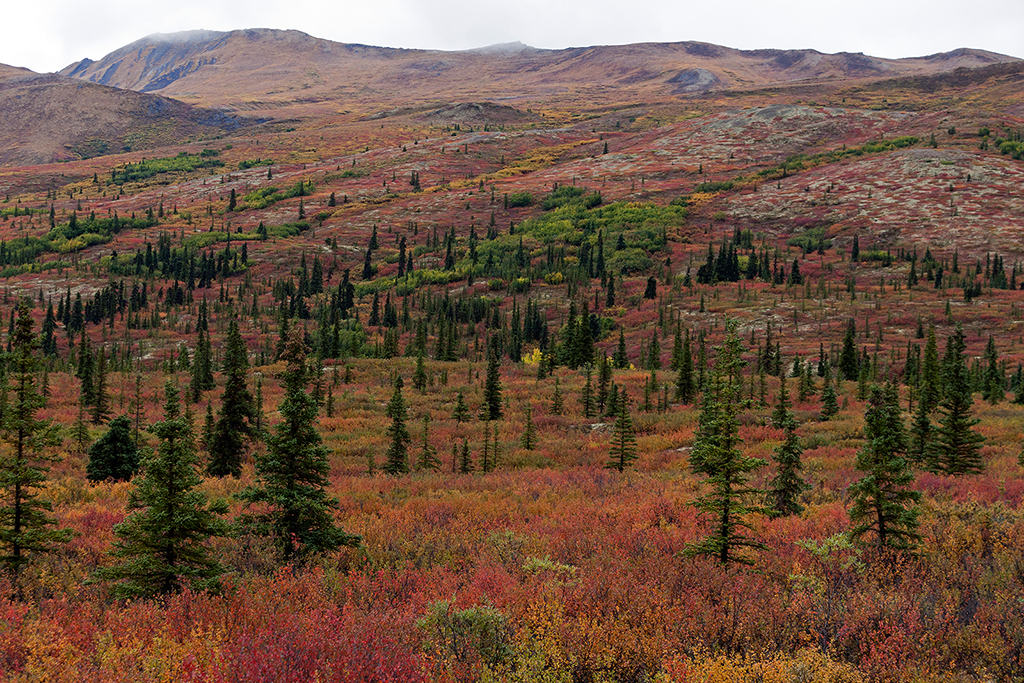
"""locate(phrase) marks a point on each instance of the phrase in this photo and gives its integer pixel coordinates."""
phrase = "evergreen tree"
(557, 401)
(202, 364)
(235, 423)
(883, 502)
(929, 389)
(620, 359)
(114, 455)
(787, 485)
(623, 451)
(716, 453)
(428, 459)
(955, 446)
(100, 397)
(685, 389)
(25, 519)
(587, 396)
(849, 365)
(397, 458)
(829, 399)
(461, 412)
(292, 474)
(994, 383)
(419, 378)
(162, 542)
(465, 460)
(529, 440)
(492, 388)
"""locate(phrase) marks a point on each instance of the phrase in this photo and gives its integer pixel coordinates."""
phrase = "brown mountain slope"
(45, 118)
(266, 69)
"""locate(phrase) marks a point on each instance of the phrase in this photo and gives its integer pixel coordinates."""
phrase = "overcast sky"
(47, 35)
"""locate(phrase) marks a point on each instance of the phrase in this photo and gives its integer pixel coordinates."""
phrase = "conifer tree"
(237, 411)
(25, 518)
(114, 455)
(587, 396)
(929, 390)
(202, 365)
(428, 459)
(492, 388)
(716, 453)
(397, 458)
(883, 502)
(623, 451)
(162, 542)
(994, 383)
(685, 389)
(465, 460)
(100, 397)
(955, 446)
(419, 377)
(461, 412)
(829, 400)
(529, 439)
(557, 401)
(849, 365)
(292, 474)
(787, 485)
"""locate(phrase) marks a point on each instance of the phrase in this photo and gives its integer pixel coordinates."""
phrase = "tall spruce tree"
(428, 459)
(955, 447)
(100, 397)
(491, 409)
(162, 544)
(114, 455)
(529, 438)
(787, 485)
(291, 477)
(623, 450)
(716, 453)
(25, 518)
(236, 420)
(397, 458)
(883, 502)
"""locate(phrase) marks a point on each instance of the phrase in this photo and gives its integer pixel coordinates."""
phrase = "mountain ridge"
(233, 69)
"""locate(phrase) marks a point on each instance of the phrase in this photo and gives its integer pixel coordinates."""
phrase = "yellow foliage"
(806, 665)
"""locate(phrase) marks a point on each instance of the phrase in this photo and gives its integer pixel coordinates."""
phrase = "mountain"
(49, 117)
(277, 71)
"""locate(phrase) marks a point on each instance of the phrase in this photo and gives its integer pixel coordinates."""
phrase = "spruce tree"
(25, 518)
(162, 542)
(685, 389)
(529, 439)
(492, 388)
(397, 457)
(291, 476)
(929, 389)
(428, 459)
(461, 412)
(557, 401)
(623, 451)
(849, 364)
(829, 400)
(716, 453)
(994, 382)
(235, 422)
(883, 502)
(955, 446)
(100, 397)
(465, 460)
(114, 455)
(787, 485)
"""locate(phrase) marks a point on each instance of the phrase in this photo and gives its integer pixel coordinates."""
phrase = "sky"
(47, 35)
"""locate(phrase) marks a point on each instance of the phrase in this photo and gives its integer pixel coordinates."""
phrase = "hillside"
(264, 70)
(566, 324)
(47, 118)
